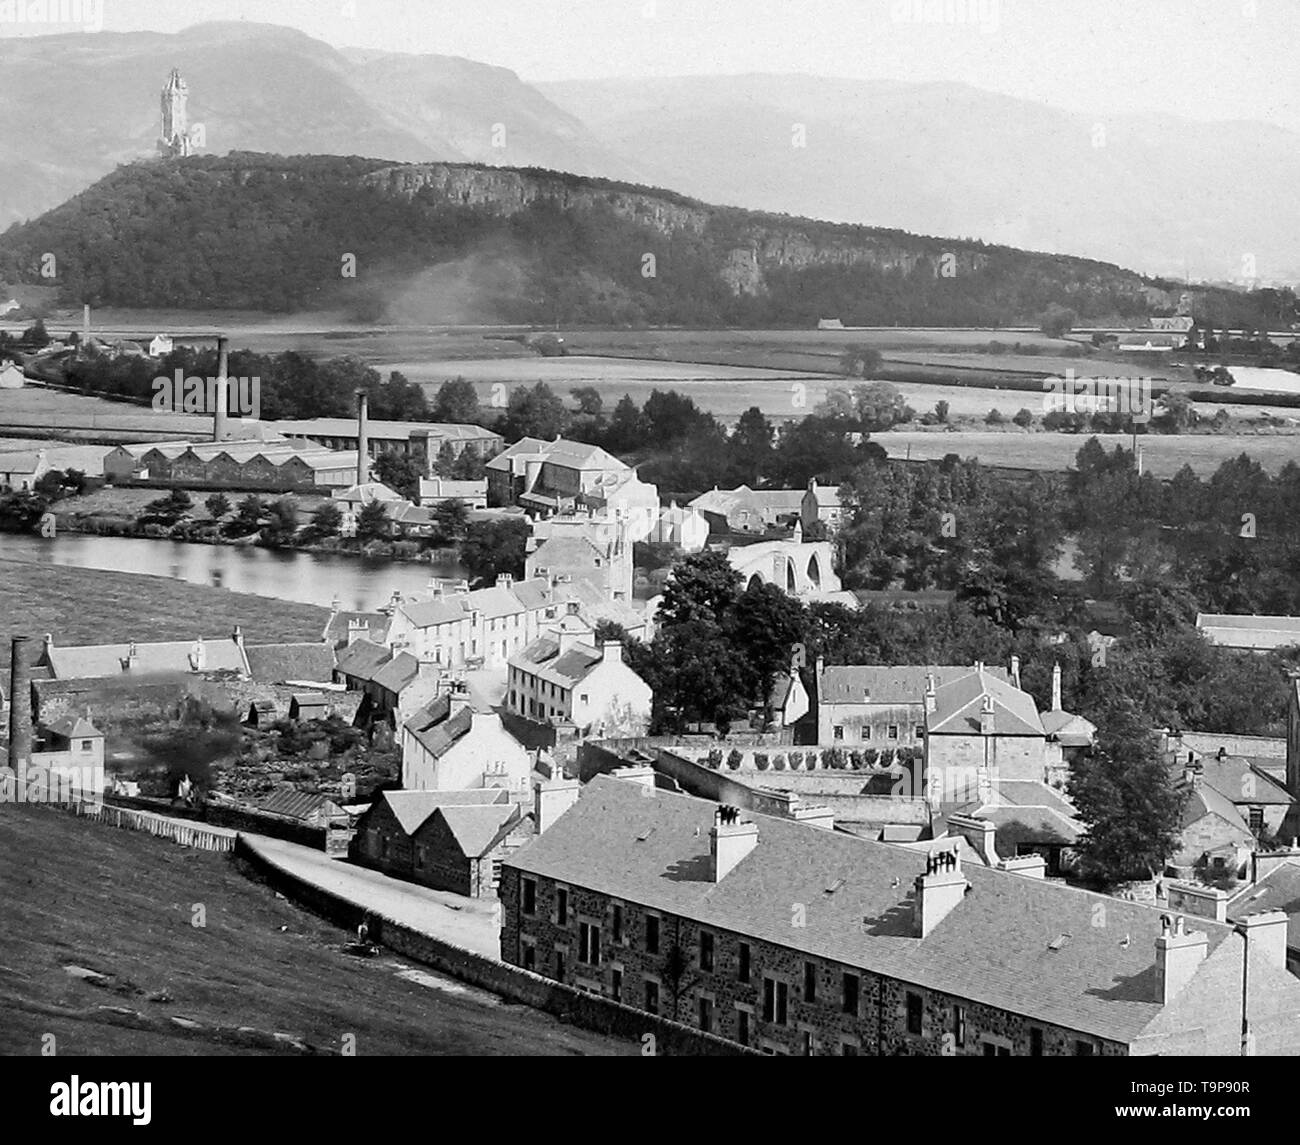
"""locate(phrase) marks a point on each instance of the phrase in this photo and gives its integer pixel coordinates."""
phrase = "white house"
(448, 746)
(686, 527)
(160, 345)
(11, 376)
(564, 677)
(21, 470)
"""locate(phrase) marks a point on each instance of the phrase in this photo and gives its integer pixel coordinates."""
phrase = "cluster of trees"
(289, 233)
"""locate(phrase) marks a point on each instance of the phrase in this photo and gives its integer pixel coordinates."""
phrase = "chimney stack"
(729, 842)
(1266, 932)
(1178, 956)
(20, 706)
(1056, 688)
(938, 891)
(85, 323)
(551, 800)
(221, 419)
(611, 651)
(1015, 670)
(986, 715)
(930, 693)
(363, 437)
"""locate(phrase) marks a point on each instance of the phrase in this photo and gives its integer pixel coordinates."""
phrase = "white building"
(160, 345)
(448, 746)
(685, 527)
(11, 376)
(563, 677)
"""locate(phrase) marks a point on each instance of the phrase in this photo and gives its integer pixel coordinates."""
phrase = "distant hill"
(76, 107)
(456, 242)
(1156, 192)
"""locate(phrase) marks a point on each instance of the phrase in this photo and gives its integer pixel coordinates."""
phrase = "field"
(37, 411)
(128, 501)
(84, 606)
(1162, 455)
(78, 894)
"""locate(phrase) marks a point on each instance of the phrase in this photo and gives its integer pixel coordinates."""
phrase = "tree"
(590, 403)
(1125, 797)
(750, 446)
(1057, 321)
(995, 417)
(217, 505)
(702, 588)
(1024, 418)
(169, 509)
(451, 518)
(401, 472)
(248, 516)
(1177, 412)
(372, 522)
(282, 524)
(36, 337)
(491, 548)
(535, 411)
(469, 466)
(445, 462)
(399, 400)
(764, 626)
(941, 412)
(879, 405)
(627, 427)
(456, 402)
(327, 521)
(861, 361)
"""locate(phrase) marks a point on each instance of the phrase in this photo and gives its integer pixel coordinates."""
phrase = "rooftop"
(887, 684)
(960, 704)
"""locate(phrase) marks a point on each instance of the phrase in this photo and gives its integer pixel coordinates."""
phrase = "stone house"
(821, 505)
(448, 746)
(679, 907)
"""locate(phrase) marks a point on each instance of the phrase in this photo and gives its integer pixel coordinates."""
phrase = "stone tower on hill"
(174, 142)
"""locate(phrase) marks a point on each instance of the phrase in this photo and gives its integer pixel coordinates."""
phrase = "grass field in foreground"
(122, 904)
(90, 606)
(1162, 455)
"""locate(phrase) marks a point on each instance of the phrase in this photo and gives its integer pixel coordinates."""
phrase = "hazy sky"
(1204, 59)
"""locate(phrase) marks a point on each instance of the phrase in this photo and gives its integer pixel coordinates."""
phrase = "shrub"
(778, 762)
(761, 760)
(994, 417)
(734, 759)
(714, 758)
(796, 760)
(833, 758)
(406, 550)
(887, 755)
(871, 757)
(856, 760)
(1024, 418)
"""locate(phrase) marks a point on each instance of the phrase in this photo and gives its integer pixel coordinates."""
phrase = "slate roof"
(1204, 800)
(570, 454)
(566, 552)
(92, 661)
(958, 706)
(400, 671)
(1250, 632)
(475, 829)
(362, 659)
(336, 631)
(412, 808)
(542, 658)
(888, 684)
(992, 948)
(1236, 780)
(1277, 890)
(1037, 824)
(297, 804)
(436, 729)
(75, 727)
(277, 663)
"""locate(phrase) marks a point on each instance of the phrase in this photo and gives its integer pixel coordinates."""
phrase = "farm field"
(121, 904)
(1162, 455)
(113, 501)
(84, 606)
(75, 418)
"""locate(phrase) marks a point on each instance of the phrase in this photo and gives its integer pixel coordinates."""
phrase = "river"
(308, 578)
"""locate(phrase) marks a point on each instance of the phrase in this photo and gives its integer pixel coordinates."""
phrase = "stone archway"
(791, 584)
(815, 572)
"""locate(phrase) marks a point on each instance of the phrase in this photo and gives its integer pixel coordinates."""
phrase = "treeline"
(285, 234)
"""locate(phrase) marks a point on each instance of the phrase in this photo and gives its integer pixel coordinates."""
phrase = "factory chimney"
(363, 437)
(220, 421)
(20, 706)
(85, 323)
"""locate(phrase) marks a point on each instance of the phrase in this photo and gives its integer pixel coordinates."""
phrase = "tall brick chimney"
(363, 437)
(221, 418)
(20, 705)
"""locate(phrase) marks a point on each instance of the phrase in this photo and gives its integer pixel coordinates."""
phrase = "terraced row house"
(799, 940)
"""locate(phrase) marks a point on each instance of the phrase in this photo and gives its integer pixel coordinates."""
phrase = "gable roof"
(887, 684)
(542, 658)
(958, 705)
(412, 808)
(1237, 781)
(278, 663)
(336, 629)
(75, 727)
(1277, 890)
(297, 804)
(1204, 800)
(92, 661)
(476, 828)
(995, 947)
(400, 671)
(436, 729)
(362, 659)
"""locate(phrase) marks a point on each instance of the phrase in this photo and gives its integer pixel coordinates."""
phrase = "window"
(561, 907)
(706, 951)
(651, 997)
(706, 1014)
(530, 896)
(775, 1000)
(1035, 1042)
(86, 745)
(806, 1044)
(919, 731)
(913, 1013)
(742, 971)
(864, 732)
(588, 944)
(893, 731)
(530, 957)
(742, 1027)
(852, 985)
(959, 1025)
(993, 1050)
(560, 965)
(839, 731)
(616, 985)
(1257, 819)
(810, 982)
(651, 934)
(617, 928)
(583, 697)
(849, 1049)
(1084, 1049)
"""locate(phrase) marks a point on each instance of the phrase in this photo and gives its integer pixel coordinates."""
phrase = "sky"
(1200, 59)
